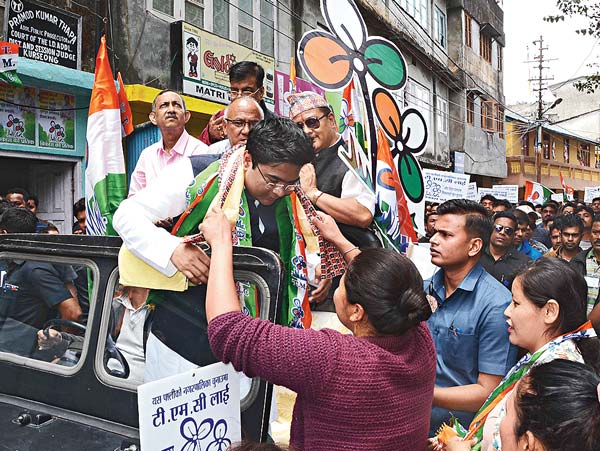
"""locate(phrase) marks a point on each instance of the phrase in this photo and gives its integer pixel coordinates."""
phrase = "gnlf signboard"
(198, 409)
(441, 186)
(207, 59)
(44, 33)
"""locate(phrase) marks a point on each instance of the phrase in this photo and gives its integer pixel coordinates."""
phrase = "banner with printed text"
(56, 125)
(441, 186)
(195, 410)
(207, 59)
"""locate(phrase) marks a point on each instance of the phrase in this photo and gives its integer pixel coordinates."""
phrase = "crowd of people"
(497, 350)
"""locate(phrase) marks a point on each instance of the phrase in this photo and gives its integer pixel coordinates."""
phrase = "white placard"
(419, 254)
(198, 409)
(590, 193)
(557, 197)
(441, 186)
(472, 192)
(508, 192)
(484, 192)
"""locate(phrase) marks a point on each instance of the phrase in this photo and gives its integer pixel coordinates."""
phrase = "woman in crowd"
(547, 318)
(371, 390)
(556, 407)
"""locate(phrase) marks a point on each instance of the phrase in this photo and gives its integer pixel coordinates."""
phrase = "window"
(419, 10)
(485, 47)
(440, 27)
(248, 22)
(500, 60)
(525, 144)
(194, 13)
(468, 30)
(499, 114)
(566, 150)
(442, 115)
(546, 146)
(487, 116)
(42, 294)
(584, 155)
(471, 108)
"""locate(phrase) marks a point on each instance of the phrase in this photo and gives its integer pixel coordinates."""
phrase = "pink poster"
(282, 87)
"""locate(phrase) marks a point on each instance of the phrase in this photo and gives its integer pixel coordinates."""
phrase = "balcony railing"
(578, 175)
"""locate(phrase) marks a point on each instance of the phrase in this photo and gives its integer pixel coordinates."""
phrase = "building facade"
(562, 151)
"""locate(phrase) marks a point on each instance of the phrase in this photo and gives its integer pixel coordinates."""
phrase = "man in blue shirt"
(469, 328)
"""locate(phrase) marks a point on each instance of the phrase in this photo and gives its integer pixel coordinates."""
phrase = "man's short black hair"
(595, 199)
(556, 224)
(505, 214)
(279, 140)
(522, 217)
(551, 204)
(20, 191)
(35, 199)
(18, 220)
(79, 206)
(477, 222)
(488, 197)
(502, 202)
(587, 208)
(596, 218)
(567, 221)
(5, 205)
(245, 69)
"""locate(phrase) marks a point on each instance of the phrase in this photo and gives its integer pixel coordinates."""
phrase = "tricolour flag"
(9, 58)
(568, 191)
(125, 109)
(105, 180)
(536, 193)
(394, 217)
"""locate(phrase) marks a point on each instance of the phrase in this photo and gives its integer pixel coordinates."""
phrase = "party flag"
(9, 58)
(537, 193)
(125, 109)
(105, 180)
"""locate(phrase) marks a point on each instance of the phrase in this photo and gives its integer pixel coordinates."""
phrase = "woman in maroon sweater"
(368, 391)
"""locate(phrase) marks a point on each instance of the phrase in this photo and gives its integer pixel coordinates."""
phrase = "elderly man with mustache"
(170, 115)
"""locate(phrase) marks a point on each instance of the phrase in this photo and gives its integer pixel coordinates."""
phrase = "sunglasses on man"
(508, 230)
(312, 122)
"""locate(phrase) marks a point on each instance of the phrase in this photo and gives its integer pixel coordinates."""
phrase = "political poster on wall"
(56, 120)
(282, 87)
(441, 186)
(17, 121)
(207, 59)
(198, 409)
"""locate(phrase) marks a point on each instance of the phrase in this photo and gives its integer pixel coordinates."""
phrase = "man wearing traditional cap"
(328, 182)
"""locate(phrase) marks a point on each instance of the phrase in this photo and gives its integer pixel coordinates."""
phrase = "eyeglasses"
(246, 92)
(238, 123)
(312, 122)
(273, 186)
(508, 230)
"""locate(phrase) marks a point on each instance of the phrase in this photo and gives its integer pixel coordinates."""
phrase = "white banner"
(472, 192)
(441, 186)
(508, 192)
(590, 193)
(484, 192)
(198, 409)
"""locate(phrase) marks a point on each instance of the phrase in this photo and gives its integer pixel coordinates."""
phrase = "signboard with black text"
(44, 33)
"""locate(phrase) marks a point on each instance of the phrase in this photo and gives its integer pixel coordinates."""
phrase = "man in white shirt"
(170, 115)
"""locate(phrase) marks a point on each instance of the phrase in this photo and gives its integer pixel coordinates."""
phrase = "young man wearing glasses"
(245, 80)
(275, 151)
(500, 258)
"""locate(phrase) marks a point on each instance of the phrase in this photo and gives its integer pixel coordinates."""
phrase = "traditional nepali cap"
(307, 100)
(526, 209)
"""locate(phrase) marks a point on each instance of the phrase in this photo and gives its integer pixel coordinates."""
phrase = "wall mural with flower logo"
(344, 55)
